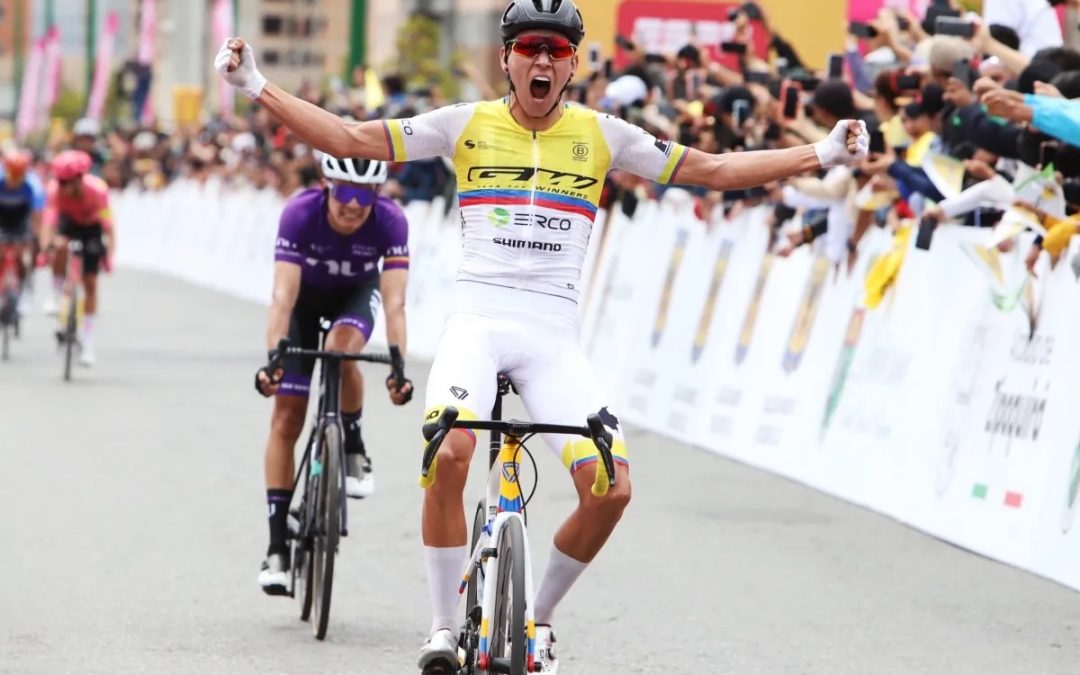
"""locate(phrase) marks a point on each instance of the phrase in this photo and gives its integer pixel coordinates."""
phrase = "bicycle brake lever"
(435, 432)
(603, 439)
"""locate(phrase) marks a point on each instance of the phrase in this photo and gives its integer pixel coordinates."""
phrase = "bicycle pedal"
(440, 667)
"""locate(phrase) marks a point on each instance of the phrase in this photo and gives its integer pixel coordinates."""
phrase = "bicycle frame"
(9, 269)
(329, 412)
(73, 275)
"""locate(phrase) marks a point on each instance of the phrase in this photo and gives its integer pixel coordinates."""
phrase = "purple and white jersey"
(330, 260)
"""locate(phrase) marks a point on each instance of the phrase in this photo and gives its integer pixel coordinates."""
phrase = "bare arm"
(740, 170)
(286, 290)
(324, 130)
(392, 285)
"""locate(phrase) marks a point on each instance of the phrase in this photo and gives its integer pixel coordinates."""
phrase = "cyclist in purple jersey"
(329, 246)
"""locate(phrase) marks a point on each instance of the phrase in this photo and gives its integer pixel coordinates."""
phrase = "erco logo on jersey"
(501, 218)
(531, 245)
(525, 174)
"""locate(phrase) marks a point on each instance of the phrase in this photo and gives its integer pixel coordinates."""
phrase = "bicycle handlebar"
(285, 348)
(435, 432)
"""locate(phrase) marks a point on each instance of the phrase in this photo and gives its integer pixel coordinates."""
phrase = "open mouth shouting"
(540, 87)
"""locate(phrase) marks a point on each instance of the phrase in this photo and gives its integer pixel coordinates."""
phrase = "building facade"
(297, 40)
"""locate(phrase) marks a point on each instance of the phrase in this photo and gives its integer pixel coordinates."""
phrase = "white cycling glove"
(833, 151)
(246, 77)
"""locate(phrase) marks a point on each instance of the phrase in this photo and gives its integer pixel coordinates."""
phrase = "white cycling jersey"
(528, 199)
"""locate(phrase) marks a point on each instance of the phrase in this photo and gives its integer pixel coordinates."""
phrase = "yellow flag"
(374, 97)
(885, 270)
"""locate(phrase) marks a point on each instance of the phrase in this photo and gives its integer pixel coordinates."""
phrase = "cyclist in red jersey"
(77, 207)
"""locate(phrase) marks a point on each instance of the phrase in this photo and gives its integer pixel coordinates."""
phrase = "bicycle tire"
(300, 561)
(9, 319)
(472, 592)
(328, 522)
(70, 333)
(509, 611)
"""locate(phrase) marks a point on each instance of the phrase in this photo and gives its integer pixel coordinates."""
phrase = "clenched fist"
(847, 145)
(235, 62)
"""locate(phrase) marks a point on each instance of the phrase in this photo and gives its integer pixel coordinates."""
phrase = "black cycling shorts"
(93, 242)
(15, 232)
(355, 306)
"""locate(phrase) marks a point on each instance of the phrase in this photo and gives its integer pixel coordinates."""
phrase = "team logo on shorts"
(459, 393)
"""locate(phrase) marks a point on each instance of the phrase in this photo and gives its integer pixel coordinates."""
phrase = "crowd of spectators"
(971, 118)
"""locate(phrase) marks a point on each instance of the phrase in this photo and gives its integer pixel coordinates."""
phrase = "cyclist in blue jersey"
(327, 266)
(22, 201)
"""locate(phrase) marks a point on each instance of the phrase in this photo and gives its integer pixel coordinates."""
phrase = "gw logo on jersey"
(525, 174)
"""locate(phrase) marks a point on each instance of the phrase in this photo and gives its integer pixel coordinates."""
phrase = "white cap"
(87, 127)
(626, 90)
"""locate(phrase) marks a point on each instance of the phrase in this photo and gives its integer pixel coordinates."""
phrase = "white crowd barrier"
(949, 406)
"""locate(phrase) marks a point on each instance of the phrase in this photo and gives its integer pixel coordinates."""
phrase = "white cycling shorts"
(533, 340)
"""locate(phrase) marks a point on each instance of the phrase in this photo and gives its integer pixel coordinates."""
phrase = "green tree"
(419, 57)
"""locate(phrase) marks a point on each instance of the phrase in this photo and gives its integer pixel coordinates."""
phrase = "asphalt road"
(132, 523)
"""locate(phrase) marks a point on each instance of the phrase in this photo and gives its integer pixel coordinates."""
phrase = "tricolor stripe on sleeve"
(674, 163)
(395, 140)
(397, 262)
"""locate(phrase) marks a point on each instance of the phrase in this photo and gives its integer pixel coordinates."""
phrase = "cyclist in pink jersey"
(77, 207)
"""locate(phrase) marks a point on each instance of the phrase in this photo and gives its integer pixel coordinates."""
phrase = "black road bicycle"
(319, 487)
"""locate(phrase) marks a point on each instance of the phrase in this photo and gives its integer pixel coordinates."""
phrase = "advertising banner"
(915, 382)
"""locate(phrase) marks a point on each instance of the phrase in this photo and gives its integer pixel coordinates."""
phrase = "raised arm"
(639, 153)
(325, 131)
(739, 170)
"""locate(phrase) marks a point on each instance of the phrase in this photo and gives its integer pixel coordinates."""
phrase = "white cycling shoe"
(439, 655)
(87, 356)
(49, 306)
(274, 574)
(359, 479)
(546, 659)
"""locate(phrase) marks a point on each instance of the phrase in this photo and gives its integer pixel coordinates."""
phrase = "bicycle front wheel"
(71, 328)
(328, 524)
(472, 593)
(9, 320)
(509, 640)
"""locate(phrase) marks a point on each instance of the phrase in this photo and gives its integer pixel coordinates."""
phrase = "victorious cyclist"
(530, 169)
(329, 244)
(21, 201)
(77, 207)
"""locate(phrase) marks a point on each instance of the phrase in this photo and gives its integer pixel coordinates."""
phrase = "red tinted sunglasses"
(529, 46)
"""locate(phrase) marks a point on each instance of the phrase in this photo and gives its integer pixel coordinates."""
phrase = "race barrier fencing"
(941, 398)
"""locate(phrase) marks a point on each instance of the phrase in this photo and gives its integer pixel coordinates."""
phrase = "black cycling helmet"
(561, 16)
